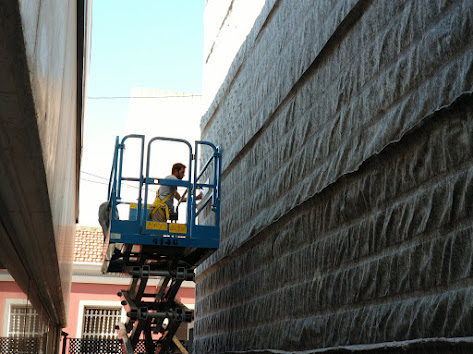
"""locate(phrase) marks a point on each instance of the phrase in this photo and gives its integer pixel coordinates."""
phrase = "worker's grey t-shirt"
(165, 190)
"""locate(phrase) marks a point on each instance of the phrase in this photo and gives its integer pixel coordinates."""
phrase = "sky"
(151, 44)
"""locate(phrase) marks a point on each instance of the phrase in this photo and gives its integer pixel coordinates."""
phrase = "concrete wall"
(51, 53)
(227, 23)
(41, 109)
(347, 132)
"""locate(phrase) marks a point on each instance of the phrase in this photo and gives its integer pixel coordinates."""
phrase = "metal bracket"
(180, 273)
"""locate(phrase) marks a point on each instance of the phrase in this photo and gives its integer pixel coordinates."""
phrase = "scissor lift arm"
(170, 251)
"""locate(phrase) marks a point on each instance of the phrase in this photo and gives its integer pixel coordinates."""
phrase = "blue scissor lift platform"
(144, 248)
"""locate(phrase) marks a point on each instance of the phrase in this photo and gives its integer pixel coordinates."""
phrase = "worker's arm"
(184, 199)
(178, 196)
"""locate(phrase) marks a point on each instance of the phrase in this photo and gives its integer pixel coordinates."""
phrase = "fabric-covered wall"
(347, 202)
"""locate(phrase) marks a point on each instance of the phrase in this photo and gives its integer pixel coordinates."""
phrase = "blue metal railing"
(129, 231)
(215, 186)
(187, 184)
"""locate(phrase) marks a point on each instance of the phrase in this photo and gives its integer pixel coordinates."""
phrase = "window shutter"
(99, 323)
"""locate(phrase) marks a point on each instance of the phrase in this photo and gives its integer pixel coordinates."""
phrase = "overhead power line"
(106, 183)
(89, 180)
(147, 97)
(91, 174)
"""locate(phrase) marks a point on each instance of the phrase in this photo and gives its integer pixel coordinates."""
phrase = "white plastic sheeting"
(348, 179)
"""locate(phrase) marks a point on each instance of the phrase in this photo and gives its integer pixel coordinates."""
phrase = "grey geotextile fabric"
(347, 201)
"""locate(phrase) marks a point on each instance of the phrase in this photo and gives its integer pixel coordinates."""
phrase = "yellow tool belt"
(161, 206)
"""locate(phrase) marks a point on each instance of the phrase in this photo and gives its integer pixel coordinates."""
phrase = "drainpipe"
(64, 340)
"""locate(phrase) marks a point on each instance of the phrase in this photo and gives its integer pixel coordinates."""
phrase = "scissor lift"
(168, 250)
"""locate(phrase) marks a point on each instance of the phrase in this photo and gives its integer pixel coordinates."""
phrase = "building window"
(24, 330)
(25, 322)
(89, 323)
(100, 322)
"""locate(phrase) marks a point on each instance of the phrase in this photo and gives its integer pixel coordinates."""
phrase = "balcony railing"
(34, 345)
(73, 346)
(99, 346)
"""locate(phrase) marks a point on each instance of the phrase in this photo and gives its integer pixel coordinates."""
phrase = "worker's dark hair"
(177, 167)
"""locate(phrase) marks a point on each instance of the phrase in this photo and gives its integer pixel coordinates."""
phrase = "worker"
(105, 215)
(163, 204)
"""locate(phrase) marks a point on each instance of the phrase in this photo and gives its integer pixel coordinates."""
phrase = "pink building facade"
(94, 306)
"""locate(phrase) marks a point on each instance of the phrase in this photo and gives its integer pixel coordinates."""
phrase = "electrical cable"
(147, 97)
(98, 182)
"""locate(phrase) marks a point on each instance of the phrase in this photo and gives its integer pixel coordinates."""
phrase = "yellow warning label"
(178, 228)
(135, 206)
(153, 225)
